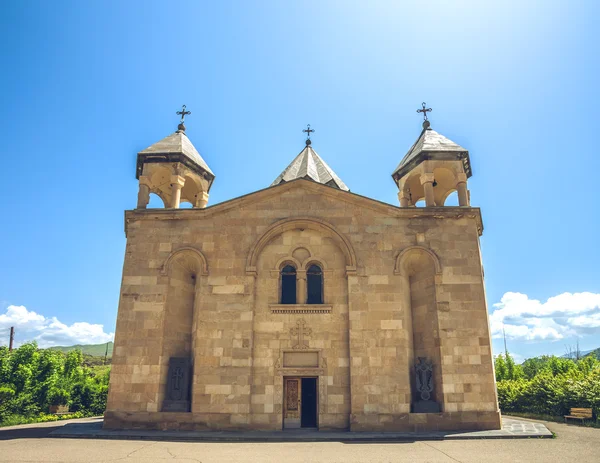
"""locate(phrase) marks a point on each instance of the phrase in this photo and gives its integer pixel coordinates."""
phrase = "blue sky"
(86, 85)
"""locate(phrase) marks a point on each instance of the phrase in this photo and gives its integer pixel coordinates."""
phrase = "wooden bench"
(579, 414)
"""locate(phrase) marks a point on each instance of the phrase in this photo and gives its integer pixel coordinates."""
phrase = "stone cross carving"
(177, 396)
(424, 111)
(424, 373)
(424, 384)
(301, 330)
(177, 378)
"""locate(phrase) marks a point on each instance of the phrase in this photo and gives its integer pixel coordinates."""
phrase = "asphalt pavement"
(33, 443)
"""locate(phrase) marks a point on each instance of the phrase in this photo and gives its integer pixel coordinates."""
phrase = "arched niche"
(188, 255)
(184, 269)
(408, 255)
(302, 223)
(420, 272)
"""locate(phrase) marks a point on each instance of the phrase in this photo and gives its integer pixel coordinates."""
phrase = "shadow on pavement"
(28, 433)
(93, 430)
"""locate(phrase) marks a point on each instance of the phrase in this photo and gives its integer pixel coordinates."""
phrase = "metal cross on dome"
(308, 131)
(424, 111)
(183, 113)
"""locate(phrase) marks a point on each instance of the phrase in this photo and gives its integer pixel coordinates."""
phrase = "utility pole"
(106, 353)
(12, 338)
(504, 333)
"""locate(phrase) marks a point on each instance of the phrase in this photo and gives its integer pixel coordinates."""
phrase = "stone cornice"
(300, 308)
(440, 213)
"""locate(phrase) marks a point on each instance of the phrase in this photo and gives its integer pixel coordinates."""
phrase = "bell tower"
(433, 168)
(173, 170)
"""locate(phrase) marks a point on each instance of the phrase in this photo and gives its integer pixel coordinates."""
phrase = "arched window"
(314, 283)
(288, 285)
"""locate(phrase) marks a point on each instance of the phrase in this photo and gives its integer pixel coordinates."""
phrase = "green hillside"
(96, 350)
(595, 353)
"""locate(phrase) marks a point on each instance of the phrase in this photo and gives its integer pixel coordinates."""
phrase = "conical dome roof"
(176, 147)
(309, 165)
(431, 145)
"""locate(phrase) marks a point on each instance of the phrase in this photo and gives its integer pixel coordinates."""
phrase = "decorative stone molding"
(300, 308)
(281, 370)
(300, 372)
(287, 260)
(203, 268)
(311, 223)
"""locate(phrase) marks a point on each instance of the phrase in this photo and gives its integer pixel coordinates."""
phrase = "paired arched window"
(288, 285)
(314, 285)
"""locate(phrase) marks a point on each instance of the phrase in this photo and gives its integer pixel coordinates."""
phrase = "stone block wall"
(364, 332)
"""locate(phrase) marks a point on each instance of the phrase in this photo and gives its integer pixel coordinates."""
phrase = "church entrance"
(300, 403)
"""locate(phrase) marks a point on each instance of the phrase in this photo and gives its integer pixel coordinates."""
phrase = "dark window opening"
(314, 282)
(288, 285)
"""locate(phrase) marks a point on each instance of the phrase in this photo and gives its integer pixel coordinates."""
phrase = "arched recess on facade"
(420, 271)
(402, 260)
(303, 223)
(198, 260)
(184, 268)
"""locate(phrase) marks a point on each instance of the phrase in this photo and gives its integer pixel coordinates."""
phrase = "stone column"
(427, 182)
(177, 183)
(301, 295)
(404, 198)
(201, 200)
(461, 188)
(143, 193)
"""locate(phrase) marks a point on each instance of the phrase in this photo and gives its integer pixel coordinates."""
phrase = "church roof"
(176, 147)
(431, 145)
(177, 143)
(309, 165)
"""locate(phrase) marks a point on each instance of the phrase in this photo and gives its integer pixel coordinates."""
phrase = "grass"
(15, 420)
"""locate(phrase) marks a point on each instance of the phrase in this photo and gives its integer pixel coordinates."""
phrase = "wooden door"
(292, 405)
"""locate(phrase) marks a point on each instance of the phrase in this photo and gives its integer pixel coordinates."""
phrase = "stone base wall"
(405, 422)
(175, 421)
(423, 422)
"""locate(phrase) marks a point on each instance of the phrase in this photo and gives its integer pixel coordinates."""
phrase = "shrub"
(32, 379)
(59, 397)
(550, 386)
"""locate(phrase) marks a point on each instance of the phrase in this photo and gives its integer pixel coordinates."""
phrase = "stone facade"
(398, 283)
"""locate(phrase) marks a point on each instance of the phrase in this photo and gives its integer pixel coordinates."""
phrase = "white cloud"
(565, 315)
(30, 326)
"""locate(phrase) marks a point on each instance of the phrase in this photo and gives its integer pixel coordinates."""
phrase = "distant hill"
(96, 350)
(584, 353)
(595, 352)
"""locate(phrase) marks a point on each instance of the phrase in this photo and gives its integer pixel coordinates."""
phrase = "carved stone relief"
(300, 332)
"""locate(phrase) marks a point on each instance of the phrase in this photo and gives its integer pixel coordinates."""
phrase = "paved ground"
(31, 444)
(511, 429)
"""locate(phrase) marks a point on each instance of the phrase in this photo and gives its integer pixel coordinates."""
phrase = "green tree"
(32, 379)
(501, 368)
(513, 371)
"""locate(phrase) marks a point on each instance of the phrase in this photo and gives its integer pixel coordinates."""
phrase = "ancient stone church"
(303, 305)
